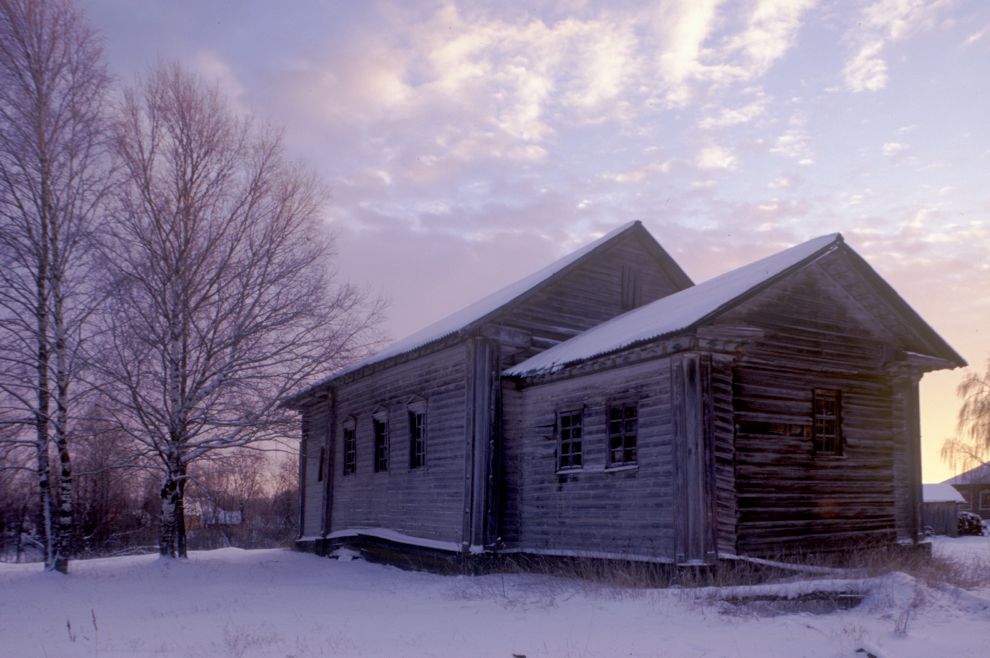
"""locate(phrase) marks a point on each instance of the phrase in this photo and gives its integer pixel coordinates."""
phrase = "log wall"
(789, 498)
(594, 510)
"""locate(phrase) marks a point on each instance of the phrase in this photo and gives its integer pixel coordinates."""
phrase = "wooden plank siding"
(580, 299)
(594, 510)
(788, 498)
(426, 502)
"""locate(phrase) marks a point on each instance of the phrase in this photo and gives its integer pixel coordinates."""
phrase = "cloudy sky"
(467, 144)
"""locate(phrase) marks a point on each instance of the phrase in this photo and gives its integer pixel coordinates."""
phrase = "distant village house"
(974, 486)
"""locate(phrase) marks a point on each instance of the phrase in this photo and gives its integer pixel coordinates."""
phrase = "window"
(417, 437)
(827, 426)
(569, 440)
(381, 442)
(984, 500)
(622, 434)
(323, 458)
(350, 447)
(631, 295)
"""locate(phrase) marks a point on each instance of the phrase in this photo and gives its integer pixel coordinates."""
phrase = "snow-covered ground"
(232, 602)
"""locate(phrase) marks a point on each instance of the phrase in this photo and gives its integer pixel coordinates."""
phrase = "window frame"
(622, 406)
(826, 443)
(417, 441)
(380, 441)
(349, 441)
(984, 499)
(570, 441)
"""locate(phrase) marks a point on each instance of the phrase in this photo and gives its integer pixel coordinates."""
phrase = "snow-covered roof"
(978, 475)
(940, 493)
(673, 313)
(476, 311)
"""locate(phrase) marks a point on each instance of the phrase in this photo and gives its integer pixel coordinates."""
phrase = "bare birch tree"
(971, 446)
(53, 176)
(223, 301)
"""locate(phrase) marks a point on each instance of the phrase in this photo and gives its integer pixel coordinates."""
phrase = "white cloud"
(687, 58)
(639, 174)
(733, 116)
(716, 157)
(795, 143)
(866, 71)
(780, 182)
(879, 23)
(770, 32)
(897, 19)
(686, 25)
(891, 149)
(976, 36)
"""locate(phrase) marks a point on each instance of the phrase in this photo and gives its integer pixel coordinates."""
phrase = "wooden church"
(607, 407)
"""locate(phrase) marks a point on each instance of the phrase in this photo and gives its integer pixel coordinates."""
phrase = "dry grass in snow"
(279, 603)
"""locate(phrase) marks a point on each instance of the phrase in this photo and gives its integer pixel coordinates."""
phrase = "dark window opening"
(622, 427)
(766, 428)
(381, 444)
(827, 428)
(417, 439)
(632, 296)
(323, 457)
(569, 431)
(350, 451)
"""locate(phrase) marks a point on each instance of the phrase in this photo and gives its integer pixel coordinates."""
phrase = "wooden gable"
(628, 272)
(838, 304)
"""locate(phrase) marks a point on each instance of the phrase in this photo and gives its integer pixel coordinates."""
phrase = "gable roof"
(689, 308)
(978, 475)
(675, 312)
(940, 493)
(474, 314)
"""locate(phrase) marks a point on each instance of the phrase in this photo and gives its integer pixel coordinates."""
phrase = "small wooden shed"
(942, 504)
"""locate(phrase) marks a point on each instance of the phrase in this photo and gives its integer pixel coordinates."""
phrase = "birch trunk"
(41, 364)
(172, 530)
(54, 173)
(64, 529)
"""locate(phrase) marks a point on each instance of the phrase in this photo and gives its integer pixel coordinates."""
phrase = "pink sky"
(467, 144)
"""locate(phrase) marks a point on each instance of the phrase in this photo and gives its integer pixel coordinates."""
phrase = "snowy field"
(232, 602)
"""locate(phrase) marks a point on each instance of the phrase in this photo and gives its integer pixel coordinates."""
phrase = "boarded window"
(985, 500)
(569, 432)
(417, 438)
(827, 433)
(622, 428)
(766, 428)
(350, 448)
(323, 459)
(632, 296)
(381, 442)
